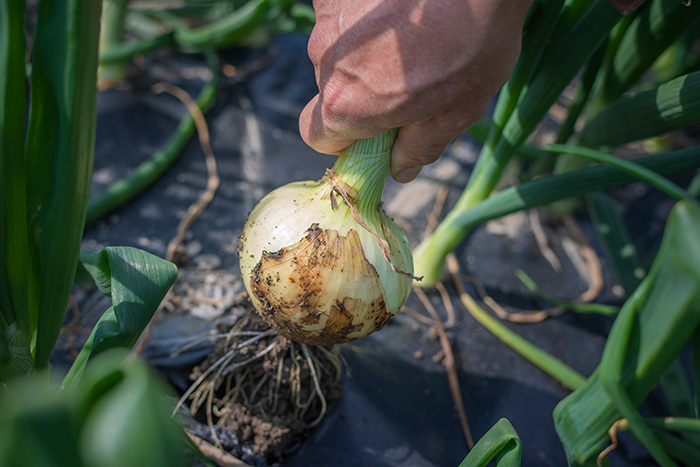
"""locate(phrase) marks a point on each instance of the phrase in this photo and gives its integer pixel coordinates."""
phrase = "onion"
(321, 261)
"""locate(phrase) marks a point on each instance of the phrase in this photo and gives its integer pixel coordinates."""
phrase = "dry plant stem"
(544, 361)
(449, 366)
(221, 458)
(541, 239)
(594, 269)
(428, 306)
(527, 317)
(198, 207)
(73, 326)
(213, 180)
(447, 301)
(595, 275)
(417, 316)
(621, 424)
(433, 217)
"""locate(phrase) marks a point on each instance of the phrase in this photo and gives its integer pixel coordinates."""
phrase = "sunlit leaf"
(501, 440)
(137, 282)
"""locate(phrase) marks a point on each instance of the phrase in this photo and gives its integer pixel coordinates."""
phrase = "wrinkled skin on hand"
(429, 67)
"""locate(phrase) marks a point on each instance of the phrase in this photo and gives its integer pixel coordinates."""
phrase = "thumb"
(315, 132)
(416, 145)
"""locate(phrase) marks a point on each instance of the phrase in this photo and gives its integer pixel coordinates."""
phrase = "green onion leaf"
(501, 440)
(60, 149)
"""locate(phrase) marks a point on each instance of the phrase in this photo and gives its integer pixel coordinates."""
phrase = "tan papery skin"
(321, 290)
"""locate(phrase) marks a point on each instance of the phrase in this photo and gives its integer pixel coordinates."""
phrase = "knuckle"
(336, 106)
(316, 46)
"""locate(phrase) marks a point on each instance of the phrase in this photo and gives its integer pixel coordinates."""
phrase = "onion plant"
(605, 55)
(106, 408)
(548, 63)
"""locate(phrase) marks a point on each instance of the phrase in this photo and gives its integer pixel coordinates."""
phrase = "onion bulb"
(321, 261)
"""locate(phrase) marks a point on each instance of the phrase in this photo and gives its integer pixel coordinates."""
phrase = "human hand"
(428, 67)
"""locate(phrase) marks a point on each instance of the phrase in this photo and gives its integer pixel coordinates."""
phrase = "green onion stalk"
(143, 176)
(321, 261)
(111, 37)
(655, 27)
(556, 61)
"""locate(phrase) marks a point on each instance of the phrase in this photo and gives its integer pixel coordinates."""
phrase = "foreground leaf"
(501, 440)
(118, 417)
(650, 331)
(126, 417)
(137, 282)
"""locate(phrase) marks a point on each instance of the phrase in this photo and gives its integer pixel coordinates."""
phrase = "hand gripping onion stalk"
(321, 261)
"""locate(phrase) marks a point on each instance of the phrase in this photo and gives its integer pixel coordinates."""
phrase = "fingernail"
(406, 175)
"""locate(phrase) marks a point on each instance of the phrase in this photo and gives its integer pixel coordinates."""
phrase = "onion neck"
(364, 165)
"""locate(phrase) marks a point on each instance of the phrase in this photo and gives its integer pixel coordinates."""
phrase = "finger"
(330, 128)
(416, 145)
(316, 134)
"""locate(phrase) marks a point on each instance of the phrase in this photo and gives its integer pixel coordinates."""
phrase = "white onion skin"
(314, 273)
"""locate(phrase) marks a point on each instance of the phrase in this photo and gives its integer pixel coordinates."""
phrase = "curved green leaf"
(650, 331)
(137, 282)
(640, 172)
(652, 31)
(117, 417)
(126, 418)
(649, 113)
(226, 30)
(600, 308)
(501, 440)
(148, 171)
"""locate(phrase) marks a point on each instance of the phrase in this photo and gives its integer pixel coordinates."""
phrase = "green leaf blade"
(616, 242)
(656, 26)
(501, 440)
(126, 418)
(60, 148)
(13, 182)
(670, 106)
(658, 320)
(137, 282)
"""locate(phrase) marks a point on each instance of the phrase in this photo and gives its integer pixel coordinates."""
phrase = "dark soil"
(264, 391)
